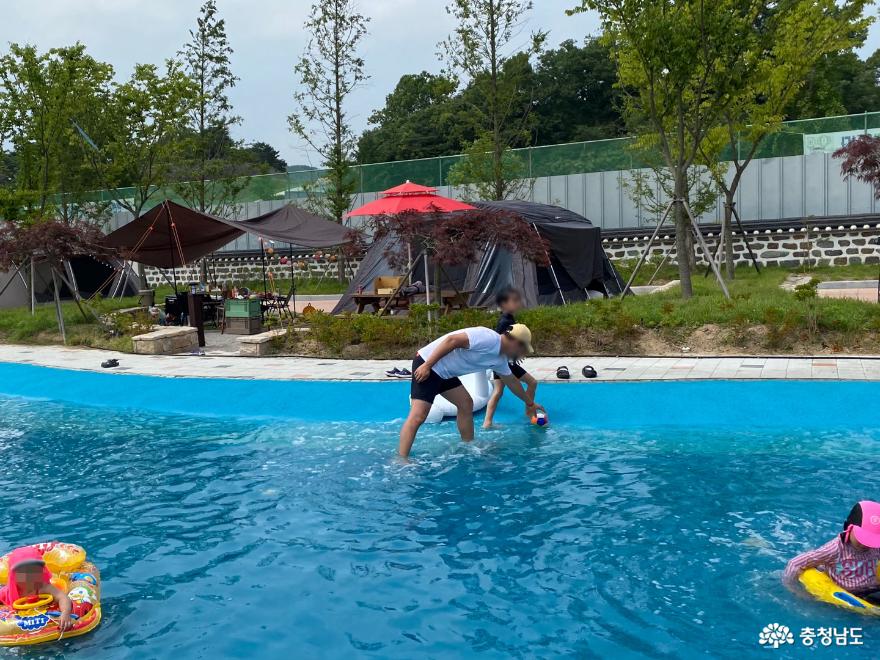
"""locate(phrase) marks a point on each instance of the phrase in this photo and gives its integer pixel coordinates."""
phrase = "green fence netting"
(796, 138)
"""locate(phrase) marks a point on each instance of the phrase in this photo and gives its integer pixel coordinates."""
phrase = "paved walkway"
(609, 368)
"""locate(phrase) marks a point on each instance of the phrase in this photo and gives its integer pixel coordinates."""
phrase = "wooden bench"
(167, 341)
(258, 345)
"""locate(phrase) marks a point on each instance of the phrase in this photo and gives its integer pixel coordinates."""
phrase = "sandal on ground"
(589, 372)
(404, 373)
(393, 373)
(109, 364)
(562, 373)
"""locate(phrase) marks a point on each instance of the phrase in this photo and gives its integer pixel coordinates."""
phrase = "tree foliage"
(484, 49)
(145, 124)
(45, 97)
(678, 61)
(791, 38)
(329, 70)
(453, 239)
(211, 175)
(861, 159)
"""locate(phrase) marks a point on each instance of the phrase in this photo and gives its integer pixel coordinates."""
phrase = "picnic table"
(450, 300)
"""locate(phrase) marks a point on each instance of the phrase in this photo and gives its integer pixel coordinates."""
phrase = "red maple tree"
(861, 159)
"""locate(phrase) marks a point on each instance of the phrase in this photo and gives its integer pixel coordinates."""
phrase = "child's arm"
(824, 556)
(63, 604)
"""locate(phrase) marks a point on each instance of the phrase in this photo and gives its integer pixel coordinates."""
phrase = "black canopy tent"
(579, 269)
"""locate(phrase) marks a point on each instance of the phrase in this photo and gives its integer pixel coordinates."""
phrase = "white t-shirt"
(484, 353)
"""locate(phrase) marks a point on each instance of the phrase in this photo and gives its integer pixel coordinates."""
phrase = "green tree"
(839, 83)
(577, 99)
(329, 70)
(267, 156)
(422, 118)
(146, 119)
(793, 38)
(45, 96)
(484, 49)
(677, 62)
(210, 177)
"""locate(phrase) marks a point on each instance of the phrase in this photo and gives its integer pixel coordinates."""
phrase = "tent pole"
(33, 292)
(292, 278)
(427, 285)
(263, 257)
(552, 270)
(58, 313)
(171, 249)
(646, 251)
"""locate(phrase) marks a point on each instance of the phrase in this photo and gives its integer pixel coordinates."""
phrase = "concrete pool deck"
(543, 368)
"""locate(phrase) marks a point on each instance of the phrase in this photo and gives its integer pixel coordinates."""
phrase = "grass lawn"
(18, 326)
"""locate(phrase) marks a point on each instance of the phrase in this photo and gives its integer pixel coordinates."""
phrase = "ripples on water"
(221, 538)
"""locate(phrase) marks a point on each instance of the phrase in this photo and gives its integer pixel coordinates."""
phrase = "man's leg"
(492, 403)
(418, 413)
(464, 406)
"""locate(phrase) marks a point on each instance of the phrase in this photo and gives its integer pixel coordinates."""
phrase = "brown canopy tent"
(171, 235)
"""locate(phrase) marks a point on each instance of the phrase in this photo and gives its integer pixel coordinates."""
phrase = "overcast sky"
(267, 36)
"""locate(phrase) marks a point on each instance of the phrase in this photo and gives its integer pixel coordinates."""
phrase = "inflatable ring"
(29, 602)
(33, 620)
(821, 587)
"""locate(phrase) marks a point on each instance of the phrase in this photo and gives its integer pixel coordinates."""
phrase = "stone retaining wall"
(835, 245)
(242, 268)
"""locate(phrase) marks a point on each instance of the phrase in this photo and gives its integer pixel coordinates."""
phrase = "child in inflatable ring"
(851, 558)
(28, 576)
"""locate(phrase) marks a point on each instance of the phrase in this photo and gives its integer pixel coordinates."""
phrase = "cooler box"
(242, 309)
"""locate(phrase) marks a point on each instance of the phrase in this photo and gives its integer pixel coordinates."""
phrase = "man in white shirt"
(438, 365)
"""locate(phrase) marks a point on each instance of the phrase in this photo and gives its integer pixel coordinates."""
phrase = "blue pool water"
(646, 530)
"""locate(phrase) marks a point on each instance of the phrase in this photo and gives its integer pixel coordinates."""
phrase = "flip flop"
(562, 373)
(109, 364)
(589, 372)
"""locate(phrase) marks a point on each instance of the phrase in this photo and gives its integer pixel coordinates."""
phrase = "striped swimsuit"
(853, 570)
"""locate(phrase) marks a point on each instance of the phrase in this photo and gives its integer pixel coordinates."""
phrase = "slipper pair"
(109, 364)
(587, 372)
(398, 373)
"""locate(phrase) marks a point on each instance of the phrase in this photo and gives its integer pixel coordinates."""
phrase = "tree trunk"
(683, 246)
(727, 233)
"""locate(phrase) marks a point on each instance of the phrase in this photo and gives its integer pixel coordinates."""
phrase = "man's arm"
(520, 392)
(444, 348)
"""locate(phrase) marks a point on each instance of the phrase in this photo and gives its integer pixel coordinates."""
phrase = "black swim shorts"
(428, 389)
(515, 369)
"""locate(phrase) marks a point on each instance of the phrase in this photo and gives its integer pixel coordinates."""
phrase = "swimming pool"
(649, 519)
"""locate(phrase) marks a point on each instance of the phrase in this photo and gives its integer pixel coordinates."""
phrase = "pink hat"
(863, 523)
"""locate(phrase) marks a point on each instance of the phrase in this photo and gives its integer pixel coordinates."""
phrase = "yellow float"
(33, 619)
(821, 587)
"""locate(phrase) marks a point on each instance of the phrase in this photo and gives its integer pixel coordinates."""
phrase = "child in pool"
(28, 576)
(852, 557)
(509, 302)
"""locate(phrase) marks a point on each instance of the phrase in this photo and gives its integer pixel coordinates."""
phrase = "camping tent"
(91, 276)
(292, 224)
(171, 235)
(579, 268)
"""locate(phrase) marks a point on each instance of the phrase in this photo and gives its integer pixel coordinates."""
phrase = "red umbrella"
(410, 197)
